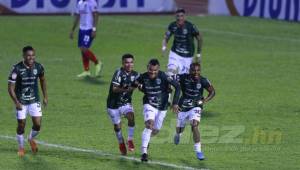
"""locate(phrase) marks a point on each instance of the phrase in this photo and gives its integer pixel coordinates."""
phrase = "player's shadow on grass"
(208, 114)
(93, 80)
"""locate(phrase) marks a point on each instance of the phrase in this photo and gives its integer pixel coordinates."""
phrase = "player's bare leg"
(36, 121)
(146, 135)
(179, 131)
(118, 131)
(131, 124)
(20, 136)
(196, 137)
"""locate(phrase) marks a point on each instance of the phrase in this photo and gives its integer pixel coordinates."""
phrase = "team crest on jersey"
(35, 71)
(158, 81)
(132, 78)
(198, 86)
(185, 31)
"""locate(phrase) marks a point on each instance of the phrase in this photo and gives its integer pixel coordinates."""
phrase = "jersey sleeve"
(77, 9)
(206, 83)
(12, 78)
(116, 80)
(176, 85)
(94, 6)
(195, 30)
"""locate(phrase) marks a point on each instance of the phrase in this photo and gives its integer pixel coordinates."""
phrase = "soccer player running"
(182, 51)
(119, 101)
(23, 90)
(154, 84)
(86, 13)
(191, 104)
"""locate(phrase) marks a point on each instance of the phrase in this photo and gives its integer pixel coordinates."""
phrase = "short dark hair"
(27, 48)
(153, 62)
(180, 10)
(125, 56)
(195, 65)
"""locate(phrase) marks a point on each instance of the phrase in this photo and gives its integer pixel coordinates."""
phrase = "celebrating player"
(119, 101)
(182, 51)
(23, 89)
(154, 84)
(191, 104)
(86, 13)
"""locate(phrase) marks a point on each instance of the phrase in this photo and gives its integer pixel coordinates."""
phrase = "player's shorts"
(116, 114)
(193, 114)
(177, 62)
(85, 38)
(151, 113)
(33, 109)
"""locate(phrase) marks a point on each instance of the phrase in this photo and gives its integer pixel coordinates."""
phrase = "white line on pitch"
(101, 153)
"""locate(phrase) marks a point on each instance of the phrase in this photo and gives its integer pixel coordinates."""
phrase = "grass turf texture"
(253, 64)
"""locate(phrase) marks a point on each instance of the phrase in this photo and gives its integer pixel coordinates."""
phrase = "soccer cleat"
(200, 155)
(144, 157)
(84, 74)
(122, 148)
(21, 152)
(98, 69)
(130, 145)
(33, 145)
(176, 139)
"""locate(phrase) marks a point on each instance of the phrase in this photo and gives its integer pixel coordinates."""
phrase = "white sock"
(120, 136)
(145, 139)
(33, 134)
(20, 139)
(130, 132)
(197, 147)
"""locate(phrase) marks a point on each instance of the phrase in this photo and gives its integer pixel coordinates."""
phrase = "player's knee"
(130, 117)
(194, 125)
(149, 124)
(21, 128)
(117, 127)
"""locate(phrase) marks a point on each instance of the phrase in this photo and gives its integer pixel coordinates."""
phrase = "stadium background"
(254, 64)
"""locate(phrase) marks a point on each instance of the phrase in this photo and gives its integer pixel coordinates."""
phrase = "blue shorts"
(85, 38)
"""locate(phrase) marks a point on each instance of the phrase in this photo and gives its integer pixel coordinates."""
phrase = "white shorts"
(193, 114)
(115, 114)
(33, 109)
(151, 113)
(181, 64)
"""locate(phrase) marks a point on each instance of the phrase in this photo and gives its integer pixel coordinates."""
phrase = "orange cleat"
(21, 152)
(33, 145)
(130, 145)
(122, 148)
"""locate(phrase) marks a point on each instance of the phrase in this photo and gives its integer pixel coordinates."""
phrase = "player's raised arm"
(75, 23)
(166, 39)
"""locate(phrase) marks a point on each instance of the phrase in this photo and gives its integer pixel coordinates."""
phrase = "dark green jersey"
(183, 43)
(192, 91)
(156, 90)
(124, 80)
(26, 80)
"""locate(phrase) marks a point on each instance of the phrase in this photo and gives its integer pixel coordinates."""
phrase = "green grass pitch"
(253, 122)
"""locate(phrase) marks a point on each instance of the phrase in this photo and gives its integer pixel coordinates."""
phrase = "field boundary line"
(103, 154)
